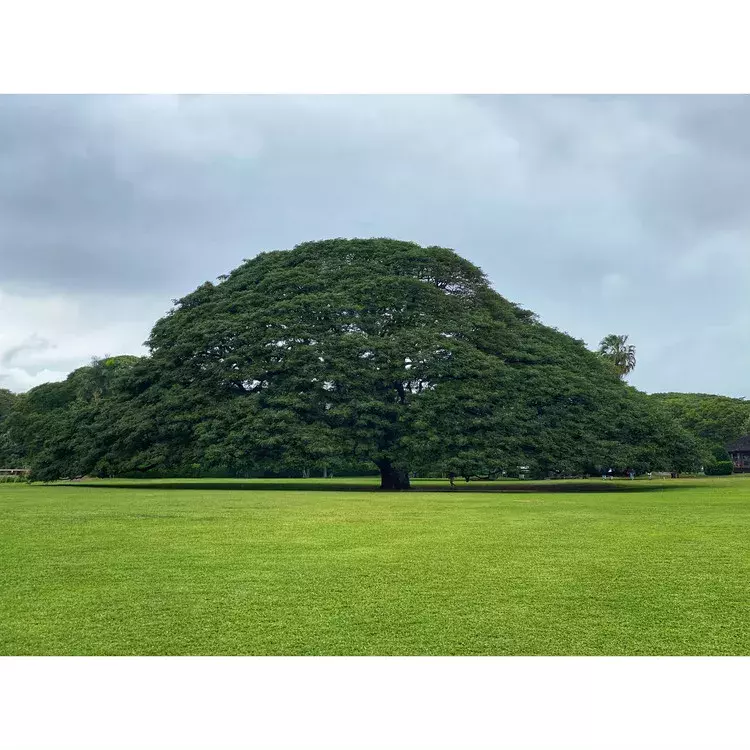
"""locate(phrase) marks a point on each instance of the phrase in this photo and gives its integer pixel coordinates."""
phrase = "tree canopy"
(345, 353)
(714, 420)
(12, 455)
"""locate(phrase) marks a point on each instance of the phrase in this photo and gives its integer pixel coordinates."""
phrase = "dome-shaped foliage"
(346, 351)
(341, 354)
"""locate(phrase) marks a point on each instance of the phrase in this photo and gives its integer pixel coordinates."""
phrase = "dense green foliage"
(151, 571)
(12, 455)
(66, 428)
(715, 421)
(349, 354)
(719, 468)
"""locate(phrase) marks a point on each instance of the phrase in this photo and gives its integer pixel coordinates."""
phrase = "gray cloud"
(603, 214)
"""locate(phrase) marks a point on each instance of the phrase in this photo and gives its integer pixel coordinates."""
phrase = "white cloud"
(44, 337)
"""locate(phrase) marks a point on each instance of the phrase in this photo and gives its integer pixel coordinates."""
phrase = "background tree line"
(715, 421)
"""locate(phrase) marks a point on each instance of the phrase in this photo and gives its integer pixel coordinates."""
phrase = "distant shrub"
(719, 453)
(719, 468)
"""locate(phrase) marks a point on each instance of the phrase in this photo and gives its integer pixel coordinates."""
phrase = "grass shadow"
(539, 487)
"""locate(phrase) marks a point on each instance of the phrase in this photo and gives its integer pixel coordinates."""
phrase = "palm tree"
(616, 349)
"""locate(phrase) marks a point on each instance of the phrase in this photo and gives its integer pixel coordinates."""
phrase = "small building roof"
(742, 444)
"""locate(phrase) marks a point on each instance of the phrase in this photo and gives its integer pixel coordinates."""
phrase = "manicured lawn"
(151, 570)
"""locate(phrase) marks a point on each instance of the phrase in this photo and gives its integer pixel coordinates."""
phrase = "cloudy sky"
(602, 214)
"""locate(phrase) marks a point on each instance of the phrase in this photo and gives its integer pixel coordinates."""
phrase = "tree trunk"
(392, 478)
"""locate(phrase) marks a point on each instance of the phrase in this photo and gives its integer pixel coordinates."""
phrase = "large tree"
(345, 353)
(385, 351)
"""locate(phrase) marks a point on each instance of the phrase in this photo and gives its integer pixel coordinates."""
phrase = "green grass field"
(215, 568)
